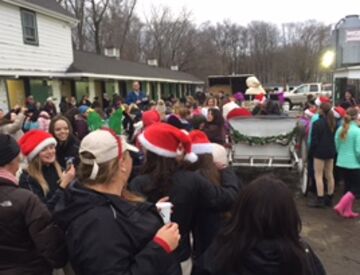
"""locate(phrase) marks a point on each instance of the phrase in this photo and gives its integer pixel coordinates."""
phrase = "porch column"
(116, 87)
(4, 104)
(56, 91)
(92, 90)
(159, 90)
(148, 89)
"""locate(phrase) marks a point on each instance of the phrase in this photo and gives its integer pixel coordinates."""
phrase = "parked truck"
(299, 95)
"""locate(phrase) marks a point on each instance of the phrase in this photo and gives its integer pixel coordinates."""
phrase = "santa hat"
(310, 112)
(33, 142)
(239, 112)
(322, 99)
(228, 107)
(339, 112)
(150, 117)
(200, 143)
(164, 140)
(260, 99)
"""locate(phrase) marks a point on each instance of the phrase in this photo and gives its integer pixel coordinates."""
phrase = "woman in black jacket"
(30, 242)
(262, 236)
(43, 176)
(108, 229)
(324, 151)
(188, 191)
(207, 223)
(67, 148)
(214, 127)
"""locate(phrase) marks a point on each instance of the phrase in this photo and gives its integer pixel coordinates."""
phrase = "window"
(313, 88)
(303, 89)
(29, 26)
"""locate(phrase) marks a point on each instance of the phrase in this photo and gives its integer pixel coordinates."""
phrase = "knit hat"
(220, 155)
(9, 149)
(200, 143)
(83, 109)
(322, 99)
(339, 112)
(310, 112)
(164, 140)
(239, 112)
(260, 99)
(104, 145)
(33, 142)
(150, 117)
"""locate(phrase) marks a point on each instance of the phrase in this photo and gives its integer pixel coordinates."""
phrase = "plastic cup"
(165, 211)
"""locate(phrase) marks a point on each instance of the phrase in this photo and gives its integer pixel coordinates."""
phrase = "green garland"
(283, 139)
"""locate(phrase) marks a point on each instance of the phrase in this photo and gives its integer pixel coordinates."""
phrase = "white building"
(36, 57)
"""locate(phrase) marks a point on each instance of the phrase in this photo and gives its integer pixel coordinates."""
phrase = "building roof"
(51, 5)
(93, 65)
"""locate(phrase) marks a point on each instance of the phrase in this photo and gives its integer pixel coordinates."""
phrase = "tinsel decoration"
(283, 139)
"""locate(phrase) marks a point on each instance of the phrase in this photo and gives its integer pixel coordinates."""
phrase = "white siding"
(54, 52)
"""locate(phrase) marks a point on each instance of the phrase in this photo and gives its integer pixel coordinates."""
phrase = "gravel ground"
(334, 239)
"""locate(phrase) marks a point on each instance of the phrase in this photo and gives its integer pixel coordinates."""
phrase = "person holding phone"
(43, 175)
(110, 230)
(67, 147)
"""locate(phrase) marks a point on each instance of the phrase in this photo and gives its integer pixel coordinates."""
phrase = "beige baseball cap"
(105, 145)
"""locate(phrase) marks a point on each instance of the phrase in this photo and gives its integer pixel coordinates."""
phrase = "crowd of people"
(333, 135)
(86, 199)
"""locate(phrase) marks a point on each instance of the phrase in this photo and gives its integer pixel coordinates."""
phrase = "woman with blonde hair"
(347, 140)
(43, 176)
(110, 230)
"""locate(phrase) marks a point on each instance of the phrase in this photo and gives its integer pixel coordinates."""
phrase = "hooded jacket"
(107, 235)
(265, 259)
(30, 243)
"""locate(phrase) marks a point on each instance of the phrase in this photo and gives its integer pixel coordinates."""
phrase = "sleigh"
(269, 142)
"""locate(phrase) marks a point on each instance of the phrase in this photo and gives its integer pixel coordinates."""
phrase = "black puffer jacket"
(208, 223)
(30, 243)
(189, 192)
(322, 140)
(107, 235)
(51, 176)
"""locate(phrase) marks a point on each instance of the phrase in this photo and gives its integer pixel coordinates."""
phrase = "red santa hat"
(164, 140)
(339, 112)
(310, 112)
(322, 99)
(150, 117)
(260, 99)
(33, 142)
(200, 143)
(239, 112)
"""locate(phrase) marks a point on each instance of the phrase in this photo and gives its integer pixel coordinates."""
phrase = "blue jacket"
(133, 97)
(348, 149)
(312, 121)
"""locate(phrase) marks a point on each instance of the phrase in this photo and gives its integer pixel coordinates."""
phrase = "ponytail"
(351, 114)
(345, 128)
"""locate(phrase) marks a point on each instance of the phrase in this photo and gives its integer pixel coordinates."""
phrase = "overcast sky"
(244, 11)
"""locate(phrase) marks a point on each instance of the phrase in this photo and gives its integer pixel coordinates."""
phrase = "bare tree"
(96, 12)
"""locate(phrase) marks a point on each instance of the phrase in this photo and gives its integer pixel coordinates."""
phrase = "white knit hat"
(220, 155)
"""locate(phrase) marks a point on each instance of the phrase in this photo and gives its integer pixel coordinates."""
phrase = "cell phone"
(69, 163)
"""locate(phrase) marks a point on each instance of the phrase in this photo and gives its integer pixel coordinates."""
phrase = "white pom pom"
(191, 157)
